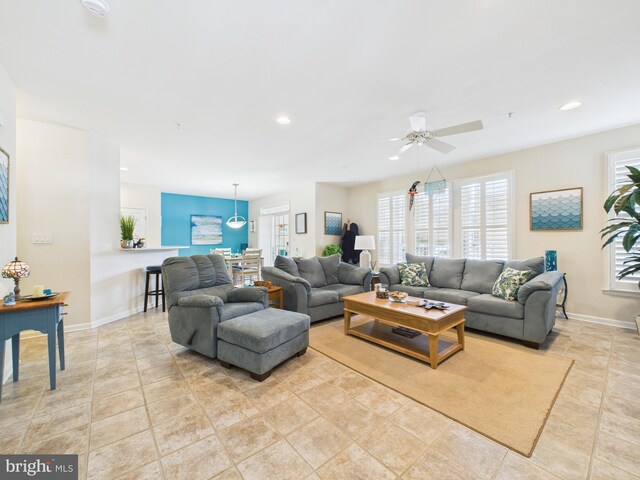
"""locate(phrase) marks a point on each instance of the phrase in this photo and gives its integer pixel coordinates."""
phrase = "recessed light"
(394, 158)
(283, 120)
(124, 169)
(570, 106)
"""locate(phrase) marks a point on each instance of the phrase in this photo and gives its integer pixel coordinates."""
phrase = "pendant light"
(236, 221)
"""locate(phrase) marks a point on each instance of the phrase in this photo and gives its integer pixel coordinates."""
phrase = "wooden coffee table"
(429, 347)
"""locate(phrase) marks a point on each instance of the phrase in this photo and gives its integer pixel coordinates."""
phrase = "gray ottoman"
(261, 340)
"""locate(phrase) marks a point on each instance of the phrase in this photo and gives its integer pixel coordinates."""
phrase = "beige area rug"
(501, 390)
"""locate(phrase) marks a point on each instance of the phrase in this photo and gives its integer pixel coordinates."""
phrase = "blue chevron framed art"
(557, 209)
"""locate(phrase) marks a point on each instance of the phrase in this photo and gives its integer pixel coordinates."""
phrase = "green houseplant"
(127, 225)
(625, 202)
(330, 250)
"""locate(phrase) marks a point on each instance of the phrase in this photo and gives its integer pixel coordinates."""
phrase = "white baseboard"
(603, 321)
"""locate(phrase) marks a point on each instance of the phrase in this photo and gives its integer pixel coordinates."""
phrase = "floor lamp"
(365, 243)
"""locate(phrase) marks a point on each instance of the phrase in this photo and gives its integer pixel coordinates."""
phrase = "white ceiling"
(347, 72)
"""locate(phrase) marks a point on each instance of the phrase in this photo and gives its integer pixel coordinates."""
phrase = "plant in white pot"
(127, 226)
(625, 202)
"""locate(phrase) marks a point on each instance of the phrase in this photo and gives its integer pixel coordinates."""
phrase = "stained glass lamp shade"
(16, 270)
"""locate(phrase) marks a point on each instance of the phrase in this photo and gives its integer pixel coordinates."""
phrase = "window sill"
(621, 293)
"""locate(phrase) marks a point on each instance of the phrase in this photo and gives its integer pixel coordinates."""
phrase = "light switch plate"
(42, 238)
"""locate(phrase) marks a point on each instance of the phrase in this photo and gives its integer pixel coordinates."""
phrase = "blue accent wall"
(176, 213)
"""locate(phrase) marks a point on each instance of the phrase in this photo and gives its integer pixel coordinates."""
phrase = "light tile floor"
(134, 405)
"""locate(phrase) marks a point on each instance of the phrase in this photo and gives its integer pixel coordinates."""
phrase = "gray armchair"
(200, 295)
(315, 286)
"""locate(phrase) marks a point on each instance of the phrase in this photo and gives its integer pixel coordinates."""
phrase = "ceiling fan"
(419, 135)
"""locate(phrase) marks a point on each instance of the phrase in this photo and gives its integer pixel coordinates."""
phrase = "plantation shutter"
(392, 224)
(483, 219)
(432, 222)
(618, 176)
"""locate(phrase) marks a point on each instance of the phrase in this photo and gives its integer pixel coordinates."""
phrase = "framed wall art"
(206, 230)
(556, 209)
(332, 223)
(301, 223)
(4, 186)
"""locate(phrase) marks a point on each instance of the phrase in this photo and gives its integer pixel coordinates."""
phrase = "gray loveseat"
(469, 282)
(316, 285)
(200, 295)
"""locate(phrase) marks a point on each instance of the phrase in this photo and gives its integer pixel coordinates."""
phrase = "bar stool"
(159, 291)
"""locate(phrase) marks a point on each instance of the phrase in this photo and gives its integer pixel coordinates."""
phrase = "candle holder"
(16, 270)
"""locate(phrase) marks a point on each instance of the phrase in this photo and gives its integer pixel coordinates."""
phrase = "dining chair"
(225, 252)
(249, 266)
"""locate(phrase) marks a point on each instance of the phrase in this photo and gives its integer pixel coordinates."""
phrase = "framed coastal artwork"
(556, 209)
(332, 223)
(4, 186)
(301, 223)
(206, 230)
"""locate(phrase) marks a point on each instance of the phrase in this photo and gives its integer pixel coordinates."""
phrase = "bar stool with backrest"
(159, 290)
(249, 265)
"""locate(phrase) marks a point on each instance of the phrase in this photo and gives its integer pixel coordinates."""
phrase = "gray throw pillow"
(311, 270)
(330, 265)
(287, 265)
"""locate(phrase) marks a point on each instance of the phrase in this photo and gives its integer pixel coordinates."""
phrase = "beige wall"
(573, 163)
(329, 198)
(148, 197)
(8, 231)
(53, 198)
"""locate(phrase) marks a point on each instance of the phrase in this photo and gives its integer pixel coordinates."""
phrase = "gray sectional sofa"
(315, 286)
(469, 282)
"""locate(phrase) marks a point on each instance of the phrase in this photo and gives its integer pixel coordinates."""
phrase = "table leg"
(347, 321)
(61, 343)
(2, 342)
(15, 352)
(460, 331)
(433, 351)
(51, 337)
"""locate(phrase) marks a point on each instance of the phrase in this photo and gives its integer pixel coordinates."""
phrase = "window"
(480, 225)
(392, 225)
(483, 223)
(273, 232)
(431, 224)
(616, 176)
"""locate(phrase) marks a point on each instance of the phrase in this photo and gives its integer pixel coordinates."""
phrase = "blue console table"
(44, 316)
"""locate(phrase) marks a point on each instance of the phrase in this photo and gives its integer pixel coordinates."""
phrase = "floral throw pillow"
(509, 282)
(413, 274)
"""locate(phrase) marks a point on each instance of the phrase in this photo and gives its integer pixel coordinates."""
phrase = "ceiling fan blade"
(440, 146)
(405, 148)
(418, 121)
(462, 128)
(395, 139)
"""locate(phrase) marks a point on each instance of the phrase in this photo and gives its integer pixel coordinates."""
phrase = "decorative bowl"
(398, 297)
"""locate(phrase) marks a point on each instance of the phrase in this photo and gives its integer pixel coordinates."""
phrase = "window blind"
(392, 224)
(431, 223)
(618, 171)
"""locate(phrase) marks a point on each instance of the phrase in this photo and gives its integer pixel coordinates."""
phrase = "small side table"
(275, 293)
(44, 316)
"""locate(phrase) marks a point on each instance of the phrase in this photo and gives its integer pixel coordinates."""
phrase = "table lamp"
(16, 270)
(365, 243)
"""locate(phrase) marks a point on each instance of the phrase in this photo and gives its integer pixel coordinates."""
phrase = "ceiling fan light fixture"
(570, 106)
(283, 120)
(99, 8)
(236, 221)
(394, 158)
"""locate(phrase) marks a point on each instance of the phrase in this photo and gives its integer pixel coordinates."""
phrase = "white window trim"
(612, 285)
(457, 218)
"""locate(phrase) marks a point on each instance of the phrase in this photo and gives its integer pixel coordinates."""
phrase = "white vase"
(126, 243)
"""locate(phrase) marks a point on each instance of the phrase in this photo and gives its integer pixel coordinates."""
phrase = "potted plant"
(330, 250)
(625, 202)
(127, 225)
